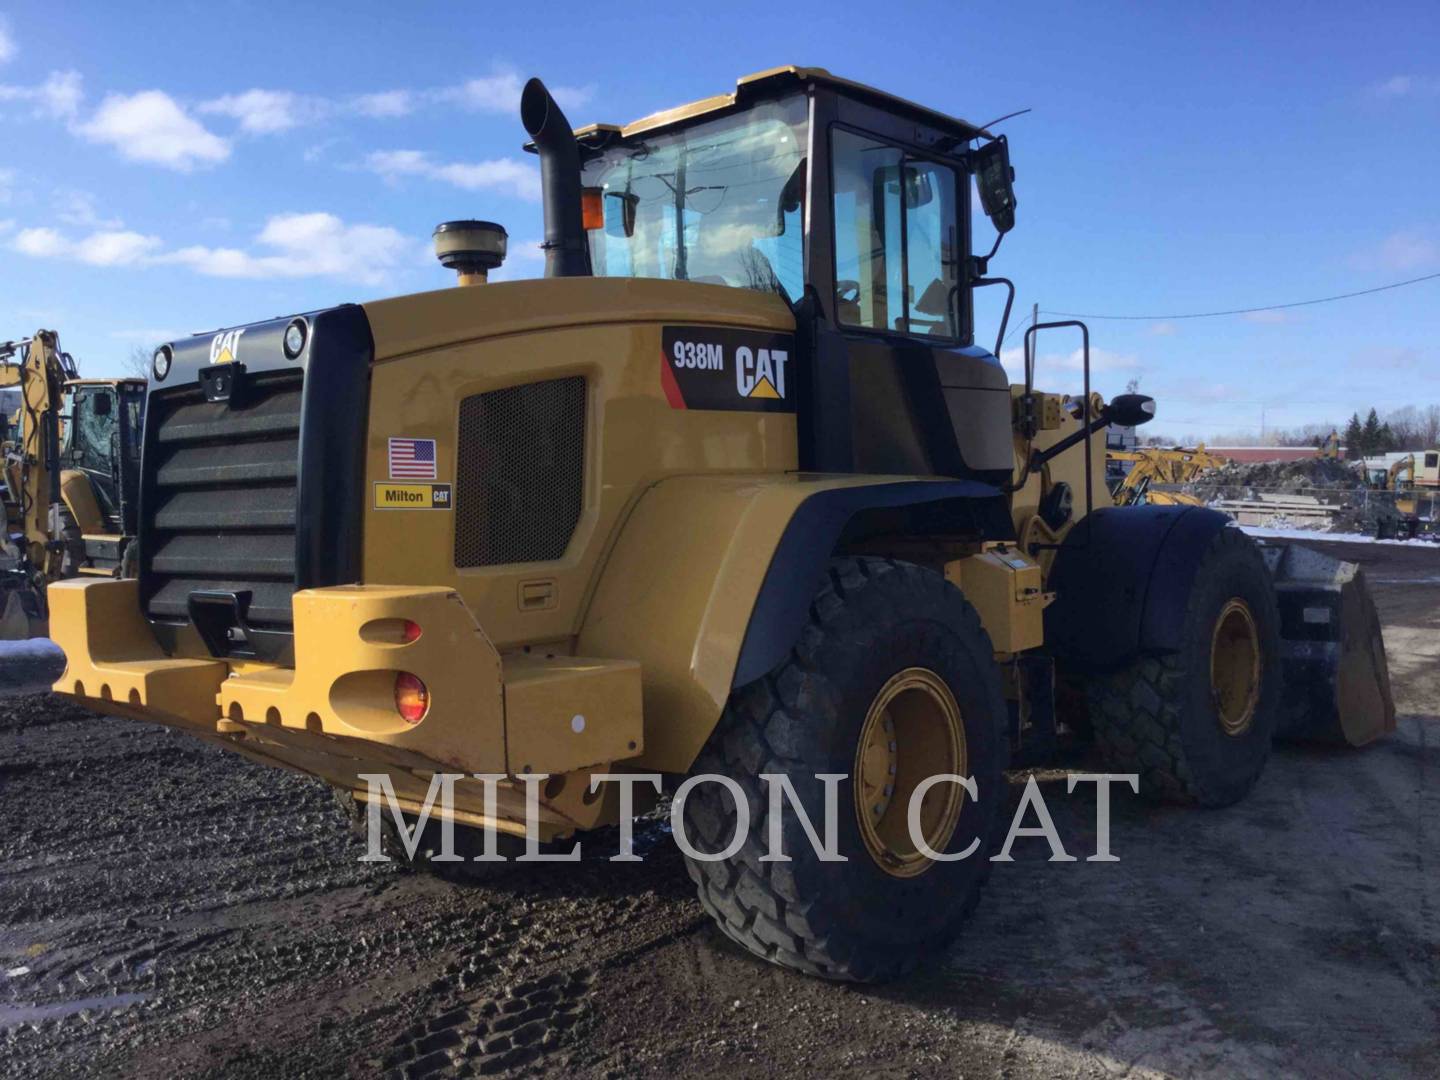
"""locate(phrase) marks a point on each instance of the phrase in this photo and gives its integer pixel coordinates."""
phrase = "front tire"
(893, 678)
(1197, 724)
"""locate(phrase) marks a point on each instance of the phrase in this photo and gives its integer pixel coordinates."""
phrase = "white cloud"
(1407, 86)
(387, 103)
(1402, 251)
(304, 245)
(7, 43)
(41, 243)
(289, 246)
(152, 127)
(506, 175)
(116, 248)
(1398, 358)
(77, 208)
(146, 337)
(1164, 329)
(1100, 360)
(60, 94)
(6, 224)
(522, 260)
(499, 92)
(108, 247)
(265, 112)
(57, 98)
(7, 180)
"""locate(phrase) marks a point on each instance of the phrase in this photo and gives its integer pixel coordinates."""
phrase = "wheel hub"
(1235, 667)
(913, 730)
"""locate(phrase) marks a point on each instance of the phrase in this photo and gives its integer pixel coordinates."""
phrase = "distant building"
(1121, 438)
(1254, 455)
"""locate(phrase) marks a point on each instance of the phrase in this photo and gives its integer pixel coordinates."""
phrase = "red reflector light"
(410, 631)
(412, 699)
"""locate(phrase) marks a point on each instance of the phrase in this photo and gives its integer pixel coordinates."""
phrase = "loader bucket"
(1337, 683)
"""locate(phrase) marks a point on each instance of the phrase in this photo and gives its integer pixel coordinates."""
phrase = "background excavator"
(1157, 465)
(72, 463)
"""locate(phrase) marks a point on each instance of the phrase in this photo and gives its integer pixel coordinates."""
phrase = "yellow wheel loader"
(71, 477)
(732, 496)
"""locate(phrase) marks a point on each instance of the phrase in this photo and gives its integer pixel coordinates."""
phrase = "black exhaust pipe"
(567, 252)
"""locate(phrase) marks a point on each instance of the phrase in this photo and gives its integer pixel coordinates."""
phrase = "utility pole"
(1029, 360)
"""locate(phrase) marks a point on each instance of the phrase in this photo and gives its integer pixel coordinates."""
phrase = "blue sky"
(193, 166)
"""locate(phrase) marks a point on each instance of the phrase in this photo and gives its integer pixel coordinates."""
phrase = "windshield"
(719, 202)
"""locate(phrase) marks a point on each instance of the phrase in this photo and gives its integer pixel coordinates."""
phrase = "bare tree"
(137, 363)
(1430, 428)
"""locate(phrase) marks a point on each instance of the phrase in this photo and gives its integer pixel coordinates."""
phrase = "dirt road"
(166, 909)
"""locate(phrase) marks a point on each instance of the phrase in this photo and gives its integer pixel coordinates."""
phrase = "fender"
(711, 578)
(1122, 580)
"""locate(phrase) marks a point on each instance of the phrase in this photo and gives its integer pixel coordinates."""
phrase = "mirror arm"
(1039, 457)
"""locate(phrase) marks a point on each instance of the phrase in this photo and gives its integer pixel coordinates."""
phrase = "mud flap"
(1337, 682)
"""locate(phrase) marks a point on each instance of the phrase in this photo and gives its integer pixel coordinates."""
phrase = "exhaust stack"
(567, 253)
(471, 248)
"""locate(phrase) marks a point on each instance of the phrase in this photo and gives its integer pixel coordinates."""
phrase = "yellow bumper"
(333, 715)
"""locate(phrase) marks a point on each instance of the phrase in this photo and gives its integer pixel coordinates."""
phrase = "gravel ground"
(167, 909)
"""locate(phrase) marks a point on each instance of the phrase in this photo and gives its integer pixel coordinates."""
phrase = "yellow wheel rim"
(1235, 667)
(912, 731)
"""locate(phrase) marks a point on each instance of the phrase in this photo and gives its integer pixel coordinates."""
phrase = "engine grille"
(221, 516)
(520, 473)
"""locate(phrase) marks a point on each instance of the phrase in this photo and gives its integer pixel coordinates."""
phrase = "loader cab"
(101, 441)
(853, 206)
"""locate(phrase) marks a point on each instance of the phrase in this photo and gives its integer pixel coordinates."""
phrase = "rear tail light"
(410, 631)
(412, 699)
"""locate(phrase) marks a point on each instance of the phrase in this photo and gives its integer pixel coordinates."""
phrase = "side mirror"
(620, 220)
(1130, 410)
(995, 180)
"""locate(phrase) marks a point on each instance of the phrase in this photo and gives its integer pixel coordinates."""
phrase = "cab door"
(922, 401)
(92, 438)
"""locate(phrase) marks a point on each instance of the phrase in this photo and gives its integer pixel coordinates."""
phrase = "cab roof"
(124, 380)
(777, 80)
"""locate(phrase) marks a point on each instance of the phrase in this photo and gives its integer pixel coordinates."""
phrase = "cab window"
(896, 239)
(719, 202)
(95, 418)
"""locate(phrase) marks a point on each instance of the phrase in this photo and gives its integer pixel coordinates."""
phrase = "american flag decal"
(412, 459)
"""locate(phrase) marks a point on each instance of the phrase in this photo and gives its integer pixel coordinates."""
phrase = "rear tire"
(1191, 723)
(887, 636)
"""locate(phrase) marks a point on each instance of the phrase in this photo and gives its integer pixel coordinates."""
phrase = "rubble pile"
(1288, 477)
(1340, 484)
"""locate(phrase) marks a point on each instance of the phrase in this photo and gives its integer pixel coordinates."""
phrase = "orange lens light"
(592, 208)
(412, 699)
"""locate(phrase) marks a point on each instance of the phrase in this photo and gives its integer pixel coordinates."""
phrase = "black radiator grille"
(221, 515)
(520, 473)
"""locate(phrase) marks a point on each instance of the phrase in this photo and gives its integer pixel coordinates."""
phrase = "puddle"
(14, 1015)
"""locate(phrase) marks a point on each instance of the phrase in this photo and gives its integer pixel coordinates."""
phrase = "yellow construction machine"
(732, 493)
(1150, 465)
(1414, 500)
(71, 477)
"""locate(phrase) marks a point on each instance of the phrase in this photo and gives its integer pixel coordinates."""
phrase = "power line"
(1250, 310)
